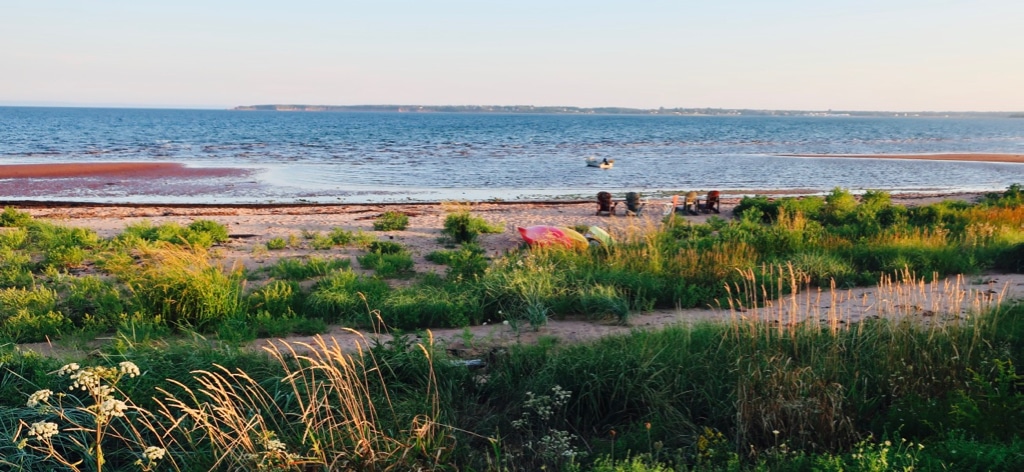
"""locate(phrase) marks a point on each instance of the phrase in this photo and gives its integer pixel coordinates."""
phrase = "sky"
(892, 55)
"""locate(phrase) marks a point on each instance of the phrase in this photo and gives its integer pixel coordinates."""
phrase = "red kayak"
(543, 235)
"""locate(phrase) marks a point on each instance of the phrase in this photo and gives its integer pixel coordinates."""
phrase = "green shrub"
(363, 240)
(430, 307)
(599, 301)
(391, 221)
(36, 301)
(821, 268)
(322, 243)
(467, 263)
(341, 236)
(303, 269)
(839, 205)
(13, 238)
(388, 265)
(139, 328)
(278, 298)
(461, 227)
(15, 268)
(27, 327)
(265, 324)
(1012, 197)
(386, 247)
(275, 244)
(345, 296)
(201, 231)
(30, 315)
(11, 217)
(182, 287)
(93, 301)
(62, 247)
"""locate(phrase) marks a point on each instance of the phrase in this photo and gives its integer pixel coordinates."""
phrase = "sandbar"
(113, 169)
(143, 181)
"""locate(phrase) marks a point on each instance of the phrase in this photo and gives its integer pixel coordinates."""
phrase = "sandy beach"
(251, 226)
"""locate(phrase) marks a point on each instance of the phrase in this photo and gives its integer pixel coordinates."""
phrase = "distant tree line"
(612, 111)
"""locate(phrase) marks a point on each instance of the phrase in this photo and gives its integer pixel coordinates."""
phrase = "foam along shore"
(966, 157)
(113, 169)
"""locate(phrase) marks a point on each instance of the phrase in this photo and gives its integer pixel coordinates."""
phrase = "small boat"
(543, 235)
(601, 236)
(602, 164)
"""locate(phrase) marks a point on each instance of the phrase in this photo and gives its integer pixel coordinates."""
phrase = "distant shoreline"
(568, 110)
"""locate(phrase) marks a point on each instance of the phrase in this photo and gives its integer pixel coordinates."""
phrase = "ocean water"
(378, 157)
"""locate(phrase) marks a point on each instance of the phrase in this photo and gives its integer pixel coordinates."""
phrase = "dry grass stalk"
(325, 416)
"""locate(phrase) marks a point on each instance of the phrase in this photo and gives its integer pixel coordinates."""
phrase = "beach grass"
(744, 394)
(783, 384)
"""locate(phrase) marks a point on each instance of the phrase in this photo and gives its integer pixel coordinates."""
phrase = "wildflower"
(85, 380)
(40, 396)
(112, 407)
(153, 453)
(68, 368)
(102, 391)
(275, 445)
(129, 368)
(43, 430)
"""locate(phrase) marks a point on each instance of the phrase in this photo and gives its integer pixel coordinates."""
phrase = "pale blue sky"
(901, 55)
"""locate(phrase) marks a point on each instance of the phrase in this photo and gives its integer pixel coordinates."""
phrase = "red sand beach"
(113, 169)
(35, 181)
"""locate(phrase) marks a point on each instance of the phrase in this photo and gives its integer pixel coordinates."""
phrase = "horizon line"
(387, 105)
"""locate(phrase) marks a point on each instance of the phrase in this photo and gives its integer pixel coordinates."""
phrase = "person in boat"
(604, 161)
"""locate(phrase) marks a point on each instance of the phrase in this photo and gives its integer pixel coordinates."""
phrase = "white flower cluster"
(275, 445)
(86, 379)
(43, 430)
(68, 369)
(129, 368)
(557, 445)
(544, 405)
(560, 395)
(275, 452)
(112, 407)
(153, 453)
(41, 396)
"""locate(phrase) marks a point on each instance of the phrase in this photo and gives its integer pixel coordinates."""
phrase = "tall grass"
(784, 370)
(181, 285)
(330, 411)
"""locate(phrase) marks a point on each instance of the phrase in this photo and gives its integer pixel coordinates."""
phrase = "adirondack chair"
(633, 204)
(711, 202)
(690, 203)
(605, 205)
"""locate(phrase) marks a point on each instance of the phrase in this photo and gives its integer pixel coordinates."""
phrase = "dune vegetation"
(174, 390)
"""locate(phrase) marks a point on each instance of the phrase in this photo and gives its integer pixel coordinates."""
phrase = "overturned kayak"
(601, 236)
(543, 235)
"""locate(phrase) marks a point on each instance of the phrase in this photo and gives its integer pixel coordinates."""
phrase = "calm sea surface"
(353, 157)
